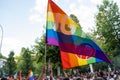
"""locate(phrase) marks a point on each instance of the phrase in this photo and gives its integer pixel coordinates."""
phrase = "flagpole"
(45, 57)
(43, 73)
(91, 68)
(1, 38)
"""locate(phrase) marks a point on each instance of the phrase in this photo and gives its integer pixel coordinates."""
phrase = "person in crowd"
(3, 78)
(43, 74)
(99, 76)
(11, 78)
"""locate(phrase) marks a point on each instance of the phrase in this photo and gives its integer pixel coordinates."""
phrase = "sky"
(23, 20)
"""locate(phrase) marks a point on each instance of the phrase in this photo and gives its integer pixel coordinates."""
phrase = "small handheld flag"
(30, 75)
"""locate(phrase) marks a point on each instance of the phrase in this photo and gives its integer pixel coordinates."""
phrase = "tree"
(52, 53)
(26, 60)
(2, 63)
(74, 18)
(108, 27)
(2, 57)
(10, 64)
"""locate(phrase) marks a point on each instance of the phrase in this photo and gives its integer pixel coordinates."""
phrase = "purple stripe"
(81, 49)
(52, 41)
(103, 56)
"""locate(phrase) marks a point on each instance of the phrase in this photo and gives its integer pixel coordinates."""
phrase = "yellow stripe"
(82, 61)
(50, 16)
(72, 23)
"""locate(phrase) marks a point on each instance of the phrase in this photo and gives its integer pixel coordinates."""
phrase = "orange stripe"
(73, 60)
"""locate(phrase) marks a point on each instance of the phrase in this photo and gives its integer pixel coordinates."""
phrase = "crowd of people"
(100, 75)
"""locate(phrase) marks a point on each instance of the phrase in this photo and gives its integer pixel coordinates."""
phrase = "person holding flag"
(19, 75)
(30, 75)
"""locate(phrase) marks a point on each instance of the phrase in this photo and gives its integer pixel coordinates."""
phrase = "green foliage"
(25, 61)
(116, 61)
(2, 57)
(100, 66)
(52, 53)
(2, 62)
(39, 49)
(10, 65)
(74, 18)
(108, 27)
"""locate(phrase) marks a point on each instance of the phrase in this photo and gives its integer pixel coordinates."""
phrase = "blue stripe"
(99, 60)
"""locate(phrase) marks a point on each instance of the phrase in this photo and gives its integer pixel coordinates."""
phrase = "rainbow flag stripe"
(70, 60)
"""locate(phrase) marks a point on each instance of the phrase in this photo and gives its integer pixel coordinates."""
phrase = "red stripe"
(54, 8)
(65, 60)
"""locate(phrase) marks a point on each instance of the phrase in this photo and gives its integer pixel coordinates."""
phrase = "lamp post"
(1, 38)
(1, 63)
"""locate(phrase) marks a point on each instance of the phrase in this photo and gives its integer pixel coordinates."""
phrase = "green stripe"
(78, 32)
(91, 60)
(50, 25)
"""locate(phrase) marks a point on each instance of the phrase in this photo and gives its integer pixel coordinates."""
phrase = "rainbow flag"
(30, 75)
(62, 31)
(70, 60)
